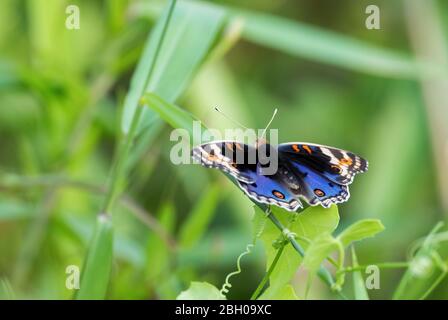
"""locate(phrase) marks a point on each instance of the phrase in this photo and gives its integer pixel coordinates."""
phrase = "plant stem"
(323, 273)
(55, 182)
(29, 250)
(434, 285)
(124, 149)
(383, 265)
(117, 169)
(268, 273)
(421, 251)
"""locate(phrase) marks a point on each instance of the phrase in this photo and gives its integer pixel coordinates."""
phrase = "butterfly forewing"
(237, 159)
(339, 166)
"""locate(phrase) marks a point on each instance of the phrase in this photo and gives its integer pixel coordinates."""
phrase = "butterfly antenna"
(270, 121)
(233, 120)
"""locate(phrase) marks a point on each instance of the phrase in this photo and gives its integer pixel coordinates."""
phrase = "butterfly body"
(311, 172)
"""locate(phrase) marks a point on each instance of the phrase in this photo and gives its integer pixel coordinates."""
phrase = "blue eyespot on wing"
(337, 165)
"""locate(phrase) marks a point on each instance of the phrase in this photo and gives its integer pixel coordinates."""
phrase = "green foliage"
(319, 249)
(358, 282)
(313, 227)
(157, 250)
(13, 209)
(426, 269)
(360, 230)
(6, 292)
(189, 38)
(285, 293)
(325, 46)
(200, 291)
(98, 263)
(107, 90)
(175, 116)
(308, 225)
(199, 218)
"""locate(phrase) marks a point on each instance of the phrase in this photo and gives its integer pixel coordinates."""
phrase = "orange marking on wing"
(346, 161)
(295, 148)
(212, 157)
(229, 145)
(307, 149)
(238, 146)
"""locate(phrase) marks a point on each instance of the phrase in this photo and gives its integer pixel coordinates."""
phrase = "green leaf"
(285, 293)
(175, 116)
(98, 264)
(199, 218)
(359, 285)
(192, 32)
(360, 230)
(313, 221)
(325, 46)
(200, 291)
(319, 249)
(157, 252)
(309, 224)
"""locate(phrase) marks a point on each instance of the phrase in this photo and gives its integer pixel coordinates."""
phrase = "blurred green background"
(379, 93)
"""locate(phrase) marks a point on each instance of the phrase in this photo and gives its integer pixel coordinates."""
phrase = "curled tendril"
(257, 234)
(227, 285)
(259, 230)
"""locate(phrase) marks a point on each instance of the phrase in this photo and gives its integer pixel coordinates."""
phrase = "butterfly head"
(260, 140)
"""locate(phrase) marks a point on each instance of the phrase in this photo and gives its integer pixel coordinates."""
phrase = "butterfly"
(317, 174)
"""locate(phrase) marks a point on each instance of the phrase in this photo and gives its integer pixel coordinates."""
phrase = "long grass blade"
(98, 264)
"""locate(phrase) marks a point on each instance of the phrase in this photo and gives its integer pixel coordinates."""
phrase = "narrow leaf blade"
(191, 34)
(324, 46)
(199, 218)
(98, 263)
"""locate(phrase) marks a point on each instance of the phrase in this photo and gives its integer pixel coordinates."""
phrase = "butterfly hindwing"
(270, 189)
(337, 165)
(317, 188)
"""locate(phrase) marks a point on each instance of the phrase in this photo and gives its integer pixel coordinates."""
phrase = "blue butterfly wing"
(317, 188)
(238, 160)
(271, 190)
(339, 166)
(319, 174)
